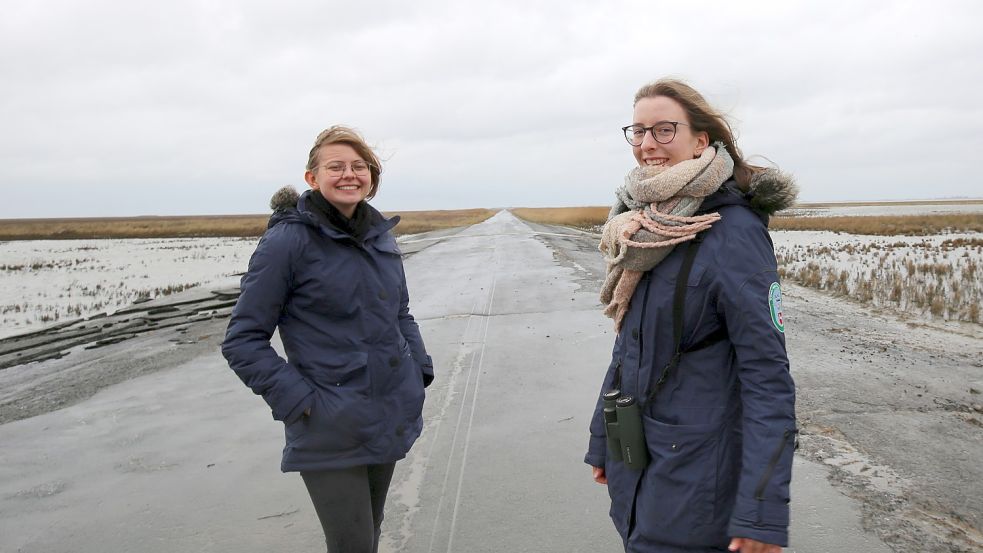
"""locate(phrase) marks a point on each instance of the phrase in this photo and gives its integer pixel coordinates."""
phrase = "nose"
(347, 171)
(648, 140)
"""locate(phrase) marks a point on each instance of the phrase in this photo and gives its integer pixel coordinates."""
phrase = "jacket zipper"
(760, 490)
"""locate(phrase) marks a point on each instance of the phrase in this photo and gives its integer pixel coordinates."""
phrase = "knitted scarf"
(356, 226)
(654, 212)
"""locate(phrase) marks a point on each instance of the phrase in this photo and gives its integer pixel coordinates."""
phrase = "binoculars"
(623, 421)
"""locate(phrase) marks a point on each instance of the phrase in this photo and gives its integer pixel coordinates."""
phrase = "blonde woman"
(328, 274)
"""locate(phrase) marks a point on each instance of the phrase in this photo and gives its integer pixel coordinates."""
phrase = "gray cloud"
(117, 108)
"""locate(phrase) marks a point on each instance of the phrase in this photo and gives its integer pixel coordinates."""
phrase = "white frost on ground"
(929, 277)
(902, 208)
(46, 281)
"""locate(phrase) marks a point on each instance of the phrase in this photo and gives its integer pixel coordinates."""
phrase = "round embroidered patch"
(775, 306)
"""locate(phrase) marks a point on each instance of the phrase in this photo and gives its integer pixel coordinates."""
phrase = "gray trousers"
(350, 503)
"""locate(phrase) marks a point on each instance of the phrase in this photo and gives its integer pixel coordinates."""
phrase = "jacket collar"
(727, 194)
(291, 207)
(770, 191)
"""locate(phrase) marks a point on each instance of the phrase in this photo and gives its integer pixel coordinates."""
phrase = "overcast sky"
(115, 108)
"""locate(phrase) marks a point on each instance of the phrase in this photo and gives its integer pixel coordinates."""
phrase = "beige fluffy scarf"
(654, 212)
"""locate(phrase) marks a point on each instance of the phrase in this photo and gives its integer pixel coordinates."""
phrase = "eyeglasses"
(337, 168)
(663, 132)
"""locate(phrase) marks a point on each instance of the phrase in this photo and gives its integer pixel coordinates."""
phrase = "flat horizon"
(803, 204)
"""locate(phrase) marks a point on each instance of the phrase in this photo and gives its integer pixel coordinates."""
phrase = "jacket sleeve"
(597, 447)
(749, 300)
(411, 332)
(264, 290)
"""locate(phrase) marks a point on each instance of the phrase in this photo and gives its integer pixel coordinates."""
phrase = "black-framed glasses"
(663, 132)
(337, 168)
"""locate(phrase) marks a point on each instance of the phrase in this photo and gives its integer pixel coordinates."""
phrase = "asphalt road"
(186, 458)
(523, 346)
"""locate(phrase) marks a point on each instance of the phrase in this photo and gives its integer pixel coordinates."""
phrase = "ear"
(309, 177)
(702, 141)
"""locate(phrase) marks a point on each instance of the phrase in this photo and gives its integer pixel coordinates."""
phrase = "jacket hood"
(284, 198)
(284, 205)
(770, 191)
(289, 206)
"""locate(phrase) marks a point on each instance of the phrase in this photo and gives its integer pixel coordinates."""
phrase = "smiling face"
(342, 191)
(687, 144)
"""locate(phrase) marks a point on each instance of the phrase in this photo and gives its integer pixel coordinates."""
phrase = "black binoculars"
(623, 421)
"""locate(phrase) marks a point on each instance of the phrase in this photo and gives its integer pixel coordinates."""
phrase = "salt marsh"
(43, 282)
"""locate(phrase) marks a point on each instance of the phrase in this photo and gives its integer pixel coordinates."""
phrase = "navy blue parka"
(721, 430)
(355, 357)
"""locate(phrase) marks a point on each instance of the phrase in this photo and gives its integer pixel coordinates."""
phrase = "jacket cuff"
(298, 411)
(597, 451)
(426, 368)
(284, 400)
(762, 520)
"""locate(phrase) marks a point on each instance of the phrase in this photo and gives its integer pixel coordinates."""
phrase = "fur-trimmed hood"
(288, 207)
(284, 198)
(770, 191)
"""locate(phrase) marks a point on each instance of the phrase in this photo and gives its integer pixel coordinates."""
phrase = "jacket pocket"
(776, 455)
(342, 415)
(347, 370)
(678, 487)
(413, 385)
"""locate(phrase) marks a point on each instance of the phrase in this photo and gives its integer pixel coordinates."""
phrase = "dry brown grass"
(827, 205)
(920, 276)
(931, 286)
(592, 218)
(133, 227)
(885, 225)
(413, 222)
(580, 217)
(205, 225)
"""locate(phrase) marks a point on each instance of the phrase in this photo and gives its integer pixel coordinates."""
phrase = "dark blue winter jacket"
(355, 357)
(721, 430)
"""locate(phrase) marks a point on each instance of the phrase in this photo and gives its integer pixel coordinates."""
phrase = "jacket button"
(634, 333)
(393, 361)
(383, 295)
(400, 430)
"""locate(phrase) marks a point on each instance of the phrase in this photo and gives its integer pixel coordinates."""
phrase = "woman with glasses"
(328, 275)
(697, 440)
